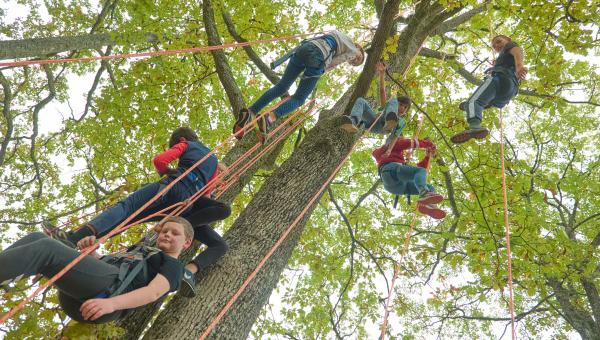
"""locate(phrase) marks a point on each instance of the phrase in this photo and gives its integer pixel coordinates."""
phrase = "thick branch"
(386, 22)
(451, 24)
(264, 68)
(223, 70)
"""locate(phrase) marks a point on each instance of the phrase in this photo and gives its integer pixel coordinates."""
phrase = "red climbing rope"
(154, 53)
(388, 301)
(124, 225)
(278, 243)
(507, 231)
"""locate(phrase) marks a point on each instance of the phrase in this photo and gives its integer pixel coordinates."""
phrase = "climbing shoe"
(430, 197)
(188, 284)
(464, 136)
(244, 116)
(347, 123)
(57, 234)
(431, 210)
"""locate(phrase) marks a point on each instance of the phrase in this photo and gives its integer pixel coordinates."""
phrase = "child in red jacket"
(402, 179)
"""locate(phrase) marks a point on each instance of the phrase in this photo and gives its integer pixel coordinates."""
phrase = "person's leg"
(311, 57)
(216, 246)
(390, 112)
(305, 87)
(418, 176)
(351, 123)
(292, 71)
(480, 99)
(117, 213)
(206, 210)
(391, 182)
(507, 89)
(40, 254)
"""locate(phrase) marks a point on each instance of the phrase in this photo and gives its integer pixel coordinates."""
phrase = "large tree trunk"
(274, 207)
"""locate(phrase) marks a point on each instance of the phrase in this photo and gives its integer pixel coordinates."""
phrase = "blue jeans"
(497, 90)
(308, 58)
(401, 179)
(113, 216)
(363, 113)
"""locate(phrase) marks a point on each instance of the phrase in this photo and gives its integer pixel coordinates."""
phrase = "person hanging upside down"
(391, 119)
(314, 57)
(499, 87)
(401, 179)
(96, 290)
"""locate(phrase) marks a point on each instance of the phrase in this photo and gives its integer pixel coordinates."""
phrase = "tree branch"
(223, 70)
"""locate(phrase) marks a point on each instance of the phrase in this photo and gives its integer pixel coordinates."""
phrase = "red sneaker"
(243, 118)
(430, 197)
(431, 210)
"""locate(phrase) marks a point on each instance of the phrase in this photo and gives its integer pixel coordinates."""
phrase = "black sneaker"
(243, 118)
(57, 234)
(188, 284)
(348, 124)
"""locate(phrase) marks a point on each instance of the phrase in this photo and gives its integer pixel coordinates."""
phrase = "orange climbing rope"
(511, 305)
(155, 53)
(124, 225)
(278, 243)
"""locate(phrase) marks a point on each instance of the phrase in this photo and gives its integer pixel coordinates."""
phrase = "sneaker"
(391, 120)
(188, 284)
(243, 118)
(462, 106)
(430, 197)
(464, 136)
(57, 234)
(262, 126)
(431, 210)
(348, 124)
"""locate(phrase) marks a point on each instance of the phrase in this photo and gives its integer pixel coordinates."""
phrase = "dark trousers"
(36, 253)
(497, 90)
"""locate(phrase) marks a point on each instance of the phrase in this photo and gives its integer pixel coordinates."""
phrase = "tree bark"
(236, 100)
(39, 47)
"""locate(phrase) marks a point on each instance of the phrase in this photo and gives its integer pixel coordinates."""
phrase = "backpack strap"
(396, 201)
(127, 270)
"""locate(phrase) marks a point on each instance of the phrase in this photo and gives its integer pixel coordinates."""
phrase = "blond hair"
(188, 230)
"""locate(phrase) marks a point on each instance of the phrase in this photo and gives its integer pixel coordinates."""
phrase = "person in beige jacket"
(314, 57)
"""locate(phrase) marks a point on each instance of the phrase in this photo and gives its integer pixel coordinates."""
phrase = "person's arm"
(162, 160)
(517, 53)
(92, 309)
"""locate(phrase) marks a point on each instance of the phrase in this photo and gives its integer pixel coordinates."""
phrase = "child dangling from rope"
(99, 290)
(391, 119)
(401, 179)
(314, 57)
(499, 87)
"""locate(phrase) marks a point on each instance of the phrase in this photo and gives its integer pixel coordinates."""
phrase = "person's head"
(182, 132)
(174, 235)
(359, 58)
(499, 41)
(403, 105)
